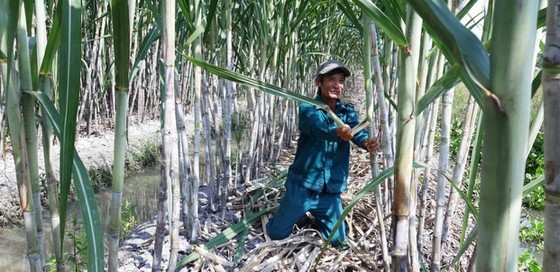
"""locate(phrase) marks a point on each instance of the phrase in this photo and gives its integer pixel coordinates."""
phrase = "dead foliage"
(302, 251)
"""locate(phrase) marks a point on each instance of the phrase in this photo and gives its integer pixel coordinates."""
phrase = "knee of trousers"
(276, 232)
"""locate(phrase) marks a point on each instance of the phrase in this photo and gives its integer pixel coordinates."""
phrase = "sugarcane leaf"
(395, 9)
(8, 29)
(212, 10)
(263, 86)
(69, 89)
(121, 42)
(465, 245)
(457, 42)
(53, 44)
(90, 215)
(226, 235)
(447, 81)
(389, 27)
(241, 245)
(84, 190)
(537, 83)
(303, 12)
(527, 189)
(145, 46)
(363, 192)
(534, 184)
(184, 7)
(450, 79)
(392, 102)
(465, 198)
(253, 83)
(474, 90)
(541, 18)
(153, 6)
(345, 7)
(466, 8)
(28, 4)
(199, 29)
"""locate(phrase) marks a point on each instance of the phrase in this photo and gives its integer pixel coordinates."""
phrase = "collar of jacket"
(338, 106)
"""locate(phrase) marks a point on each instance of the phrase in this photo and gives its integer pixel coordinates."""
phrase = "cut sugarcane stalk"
(363, 124)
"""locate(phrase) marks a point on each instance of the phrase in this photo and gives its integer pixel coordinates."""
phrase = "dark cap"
(331, 65)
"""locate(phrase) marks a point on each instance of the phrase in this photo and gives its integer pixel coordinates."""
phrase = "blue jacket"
(322, 159)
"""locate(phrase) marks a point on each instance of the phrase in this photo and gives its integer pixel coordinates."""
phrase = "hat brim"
(334, 66)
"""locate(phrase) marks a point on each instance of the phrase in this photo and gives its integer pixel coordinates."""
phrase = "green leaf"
(253, 83)
(395, 9)
(366, 190)
(145, 46)
(8, 28)
(304, 12)
(465, 245)
(465, 198)
(244, 225)
(69, 88)
(262, 86)
(456, 41)
(350, 14)
(466, 8)
(541, 18)
(527, 189)
(84, 190)
(199, 29)
(212, 10)
(121, 42)
(390, 28)
(53, 44)
(537, 83)
(531, 186)
(226, 235)
(474, 90)
(187, 13)
(447, 81)
(90, 215)
(450, 79)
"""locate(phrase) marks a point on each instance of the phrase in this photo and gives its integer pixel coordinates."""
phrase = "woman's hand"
(372, 145)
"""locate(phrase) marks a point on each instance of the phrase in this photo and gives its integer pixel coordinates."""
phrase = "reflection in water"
(13, 249)
(140, 190)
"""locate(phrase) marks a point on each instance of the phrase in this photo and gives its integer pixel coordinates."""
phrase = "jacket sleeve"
(312, 122)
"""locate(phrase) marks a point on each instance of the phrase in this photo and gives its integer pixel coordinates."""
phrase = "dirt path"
(95, 151)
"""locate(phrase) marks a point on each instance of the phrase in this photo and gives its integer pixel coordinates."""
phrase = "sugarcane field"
(283, 135)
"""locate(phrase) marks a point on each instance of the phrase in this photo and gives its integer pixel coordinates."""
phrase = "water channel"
(139, 189)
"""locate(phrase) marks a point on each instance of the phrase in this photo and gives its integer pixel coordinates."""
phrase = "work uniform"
(318, 174)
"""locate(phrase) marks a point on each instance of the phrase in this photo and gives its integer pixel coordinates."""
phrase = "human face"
(331, 86)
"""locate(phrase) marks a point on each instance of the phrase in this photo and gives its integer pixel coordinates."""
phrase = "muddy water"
(140, 190)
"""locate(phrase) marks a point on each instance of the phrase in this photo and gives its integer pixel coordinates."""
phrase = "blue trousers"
(325, 207)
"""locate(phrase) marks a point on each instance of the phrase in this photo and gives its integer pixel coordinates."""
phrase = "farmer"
(320, 169)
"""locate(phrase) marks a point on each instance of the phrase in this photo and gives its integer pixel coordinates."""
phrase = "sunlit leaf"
(390, 28)
(457, 42)
(84, 190)
(69, 88)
